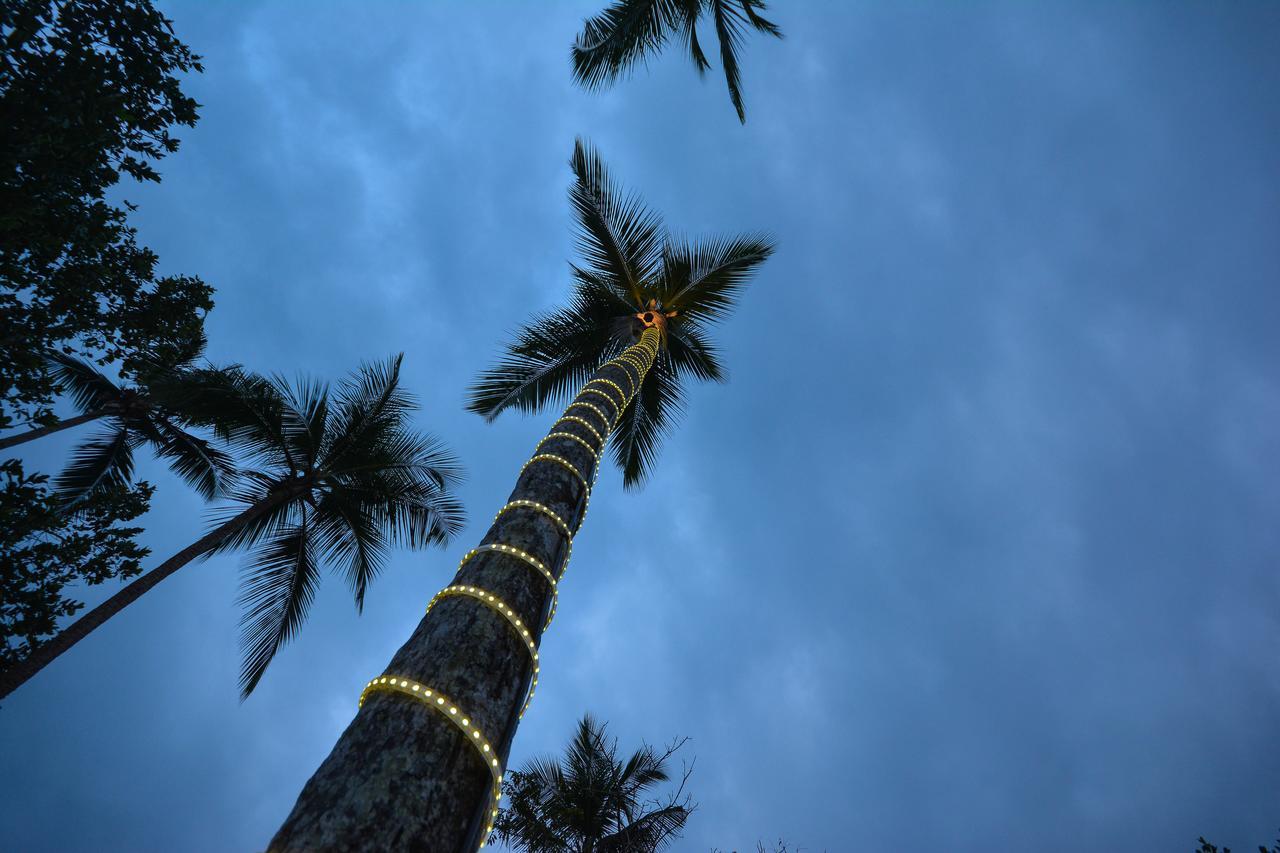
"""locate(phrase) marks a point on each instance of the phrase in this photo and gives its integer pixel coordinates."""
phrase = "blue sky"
(977, 550)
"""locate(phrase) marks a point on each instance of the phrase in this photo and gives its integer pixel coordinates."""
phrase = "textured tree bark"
(41, 432)
(17, 675)
(404, 778)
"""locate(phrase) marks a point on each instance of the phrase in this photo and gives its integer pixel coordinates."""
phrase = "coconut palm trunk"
(417, 768)
(22, 672)
(41, 432)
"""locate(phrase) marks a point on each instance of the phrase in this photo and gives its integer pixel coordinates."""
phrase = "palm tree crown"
(634, 274)
(150, 414)
(624, 34)
(592, 801)
(337, 478)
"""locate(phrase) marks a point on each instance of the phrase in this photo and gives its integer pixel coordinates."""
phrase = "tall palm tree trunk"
(17, 675)
(417, 772)
(41, 432)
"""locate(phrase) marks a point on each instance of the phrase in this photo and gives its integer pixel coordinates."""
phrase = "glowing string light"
(627, 373)
(635, 361)
(443, 705)
(537, 507)
(500, 607)
(604, 419)
(606, 397)
(622, 396)
(448, 709)
(513, 552)
(551, 457)
(594, 456)
(577, 420)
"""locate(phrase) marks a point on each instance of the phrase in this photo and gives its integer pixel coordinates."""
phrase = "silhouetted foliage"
(43, 550)
(135, 415)
(1206, 847)
(780, 847)
(89, 90)
(631, 266)
(328, 477)
(592, 800)
(625, 34)
(340, 478)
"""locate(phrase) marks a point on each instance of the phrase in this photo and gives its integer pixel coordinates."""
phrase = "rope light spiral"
(603, 396)
(584, 423)
(639, 358)
(448, 709)
(551, 457)
(604, 419)
(595, 456)
(618, 404)
(497, 605)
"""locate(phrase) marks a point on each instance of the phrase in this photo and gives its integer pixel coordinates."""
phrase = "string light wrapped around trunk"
(432, 698)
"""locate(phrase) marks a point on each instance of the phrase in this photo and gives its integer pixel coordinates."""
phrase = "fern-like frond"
(87, 386)
(278, 587)
(636, 441)
(103, 462)
(617, 235)
(702, 280)
(623, 34)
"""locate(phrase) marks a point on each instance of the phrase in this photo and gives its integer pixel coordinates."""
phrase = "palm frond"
(551, 356)
(613, 41)
(247, 411)
(645, 420)
(554, 354)
(702, 280)
(368, 407)
(174, 359)
(617, 235)
(303, 419)
(347, 533)
(753, 9)
(196, 395)
(649, 832)
(103, 462)
(730, 24)
(202, 466)
(255, 488)
(88, 387)
(693, 354)
(534, 821)
(688, 29)
(395, 492)
(277, 589)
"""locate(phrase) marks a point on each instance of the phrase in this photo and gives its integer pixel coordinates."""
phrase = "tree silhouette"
(612, 43)
(331, 478)
(591, 800)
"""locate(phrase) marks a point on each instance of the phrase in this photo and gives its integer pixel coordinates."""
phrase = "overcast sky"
(977, 549)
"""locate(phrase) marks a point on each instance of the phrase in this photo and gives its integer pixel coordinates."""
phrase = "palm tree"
(333, 478)
(626, 33)
(402, 776)
(591, 802)
(136, 415)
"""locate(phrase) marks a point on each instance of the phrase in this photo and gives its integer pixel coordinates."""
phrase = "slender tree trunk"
(20, 673)
(41, 432)
(404, 776)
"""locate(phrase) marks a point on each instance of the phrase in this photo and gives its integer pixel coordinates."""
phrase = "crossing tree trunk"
(408, 774)
(46, 653)
(41, 432)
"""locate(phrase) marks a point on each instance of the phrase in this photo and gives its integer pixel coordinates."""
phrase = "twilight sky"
(978, 548)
